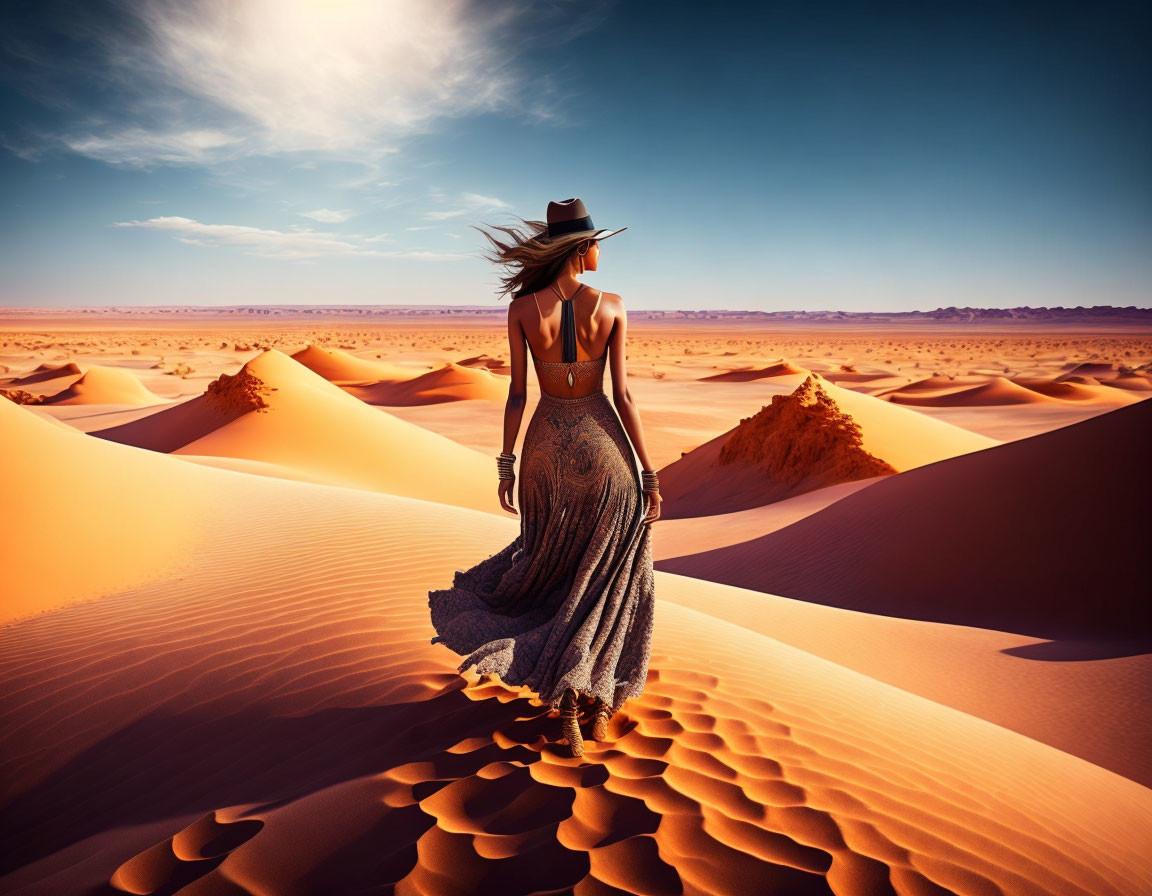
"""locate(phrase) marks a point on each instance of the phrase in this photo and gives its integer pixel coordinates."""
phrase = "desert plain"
(902, 637)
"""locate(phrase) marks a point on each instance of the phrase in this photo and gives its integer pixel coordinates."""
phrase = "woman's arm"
(621, 397)
(518, 387)
(514, 408)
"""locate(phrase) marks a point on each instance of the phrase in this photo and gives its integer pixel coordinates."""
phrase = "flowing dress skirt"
(569, 603)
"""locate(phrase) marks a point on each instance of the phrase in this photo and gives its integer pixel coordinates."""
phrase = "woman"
(566, 608)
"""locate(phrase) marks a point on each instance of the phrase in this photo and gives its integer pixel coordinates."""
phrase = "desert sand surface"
(910, 656)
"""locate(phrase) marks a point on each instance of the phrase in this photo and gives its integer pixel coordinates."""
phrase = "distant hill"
(498, 309)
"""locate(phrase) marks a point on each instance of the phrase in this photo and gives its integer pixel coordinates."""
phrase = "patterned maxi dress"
(569, 602)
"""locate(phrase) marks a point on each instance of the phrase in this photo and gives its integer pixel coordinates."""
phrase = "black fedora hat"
(569, 217)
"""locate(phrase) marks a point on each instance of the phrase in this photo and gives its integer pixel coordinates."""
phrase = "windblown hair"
(533, 258)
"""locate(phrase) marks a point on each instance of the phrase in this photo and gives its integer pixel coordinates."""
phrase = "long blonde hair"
(534, 258)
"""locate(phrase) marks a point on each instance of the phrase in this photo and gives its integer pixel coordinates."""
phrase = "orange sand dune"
(45, 372)
(998, 390)
(340, 367)
(1087, 698)
(279, 412)
(273, 719)
(106, 385)
(797, 443)
(1088, 368)
(256, 467)
(937, 383)
(1138, 382)
(701, 484)
(903, 437)
(783, 367)
(448, 382)
(84, 517)
(1079, 388)
(690, 535)
(1041, 536)
(227, 398)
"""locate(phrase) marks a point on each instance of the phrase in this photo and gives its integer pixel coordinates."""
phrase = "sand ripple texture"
(275, 721)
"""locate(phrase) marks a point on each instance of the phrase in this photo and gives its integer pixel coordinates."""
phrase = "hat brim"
(604, 234)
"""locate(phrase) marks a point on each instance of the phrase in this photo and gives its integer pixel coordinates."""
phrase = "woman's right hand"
(652, 512)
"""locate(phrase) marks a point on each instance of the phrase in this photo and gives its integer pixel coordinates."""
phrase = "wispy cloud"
(199, 81)
(444, 215)
(327, 215)
(475, 199)
(286, 244)
(139, 146)
(469, 202)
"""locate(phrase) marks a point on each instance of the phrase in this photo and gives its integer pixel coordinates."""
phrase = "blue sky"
(884, 156)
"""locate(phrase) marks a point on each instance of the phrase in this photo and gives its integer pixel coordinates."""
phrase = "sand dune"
(998, 390)
(384, 384)
(39, 385)
(287, 726)
(218, 680)
(226, 399)
(279, 412)
(798, 443)
(691, 535)
(83, 517)
(106, 385)
(1018, 528)
(339, 367)
(938, 383)
(702, 484)
(904, 438)
(46, 372)
(1087, 698)
(448, 382)
(783, 367)
(1089, 368)
(1136, 381)
(1080, 388)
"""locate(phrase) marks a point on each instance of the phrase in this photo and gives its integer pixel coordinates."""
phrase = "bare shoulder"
(516, 305)
(612, 302)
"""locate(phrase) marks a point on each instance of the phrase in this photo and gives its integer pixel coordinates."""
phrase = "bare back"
(589, 320)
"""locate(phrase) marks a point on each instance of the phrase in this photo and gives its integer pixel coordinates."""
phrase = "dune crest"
(106, 385)
(1080, 387)
(997, 391)
(21, 396)
(47, 372)
(827, 434)
(447, 382)
(783, 367)
(340, 367)
(803, 437)
(239, 393)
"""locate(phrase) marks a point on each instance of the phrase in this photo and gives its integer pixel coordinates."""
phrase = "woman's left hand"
(505, 491)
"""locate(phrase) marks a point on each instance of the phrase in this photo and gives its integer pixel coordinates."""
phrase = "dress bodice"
(569, 378)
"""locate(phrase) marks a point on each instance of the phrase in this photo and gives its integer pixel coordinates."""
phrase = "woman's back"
(565, 330)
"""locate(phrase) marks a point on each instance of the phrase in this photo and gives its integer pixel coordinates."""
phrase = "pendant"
(571, 379)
